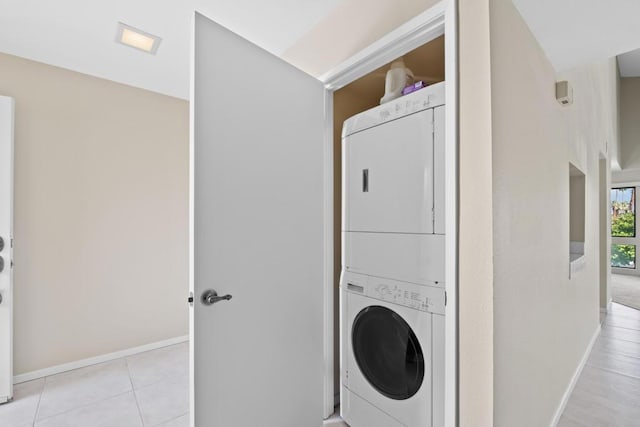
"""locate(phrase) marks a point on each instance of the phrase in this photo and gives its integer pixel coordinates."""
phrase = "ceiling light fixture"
(130, 36)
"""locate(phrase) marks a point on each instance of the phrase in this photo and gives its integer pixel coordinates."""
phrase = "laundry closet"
(389, 242)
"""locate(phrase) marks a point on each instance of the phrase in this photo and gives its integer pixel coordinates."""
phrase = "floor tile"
(606, 392)
(623, 322)
(182, 421)
(623, 310)
(119, 411)
(614, 345)
(22, 410)
(81, 387)
(164, 400)
(620, 333)
(153, 366)
(565, 421)
(615, 362)
(604, 400)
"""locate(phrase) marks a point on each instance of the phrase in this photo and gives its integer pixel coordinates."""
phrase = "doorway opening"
(427, 64)
(359, 86)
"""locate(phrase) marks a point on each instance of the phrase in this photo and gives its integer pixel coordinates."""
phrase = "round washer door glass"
(387, 352)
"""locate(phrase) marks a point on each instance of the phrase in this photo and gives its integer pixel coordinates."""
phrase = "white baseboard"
(28, 376)
(574, 379)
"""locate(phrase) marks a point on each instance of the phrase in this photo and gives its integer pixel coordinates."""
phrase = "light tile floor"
(151, 389)
(148, 389)
(608, 390)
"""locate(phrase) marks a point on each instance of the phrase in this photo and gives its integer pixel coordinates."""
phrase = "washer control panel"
(419, 297)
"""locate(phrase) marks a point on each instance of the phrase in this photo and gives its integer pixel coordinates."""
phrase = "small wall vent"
(564, 93)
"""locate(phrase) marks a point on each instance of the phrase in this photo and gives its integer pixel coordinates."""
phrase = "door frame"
(438, 20)
(7, 113)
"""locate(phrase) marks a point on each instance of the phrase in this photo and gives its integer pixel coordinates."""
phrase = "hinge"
(190, 299)
(445, 298)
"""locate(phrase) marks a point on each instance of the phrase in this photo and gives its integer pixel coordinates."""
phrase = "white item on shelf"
(398, 77)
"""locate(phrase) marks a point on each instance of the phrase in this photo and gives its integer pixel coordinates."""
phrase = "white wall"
(543, 321)
(101, 213)
(349, 28)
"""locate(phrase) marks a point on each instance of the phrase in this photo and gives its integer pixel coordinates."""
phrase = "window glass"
(623, 212)
(623, 256)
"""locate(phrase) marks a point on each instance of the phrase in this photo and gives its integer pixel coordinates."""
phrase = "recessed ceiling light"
(136, 38)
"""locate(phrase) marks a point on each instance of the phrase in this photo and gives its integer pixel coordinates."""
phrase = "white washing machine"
(392, 353)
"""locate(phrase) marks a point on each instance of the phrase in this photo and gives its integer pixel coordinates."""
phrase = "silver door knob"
(210, 297)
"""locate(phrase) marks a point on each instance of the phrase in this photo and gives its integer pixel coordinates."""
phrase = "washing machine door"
(387, 352)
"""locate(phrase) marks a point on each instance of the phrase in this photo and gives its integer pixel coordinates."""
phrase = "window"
(623, 256)
(623, 212)
(623, 227)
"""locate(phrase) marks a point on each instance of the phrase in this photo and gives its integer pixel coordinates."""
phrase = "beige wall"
(543, 321)
(101, 211)
(577, 207)
(629, 130)
(349, 28)
(475, 263)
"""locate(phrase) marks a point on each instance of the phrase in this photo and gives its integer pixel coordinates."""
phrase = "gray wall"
(629, 131)
(101, 215)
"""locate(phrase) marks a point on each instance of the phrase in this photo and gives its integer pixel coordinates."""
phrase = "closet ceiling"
(79, 34)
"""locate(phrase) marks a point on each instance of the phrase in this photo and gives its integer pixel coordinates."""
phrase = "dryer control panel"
(419, 297)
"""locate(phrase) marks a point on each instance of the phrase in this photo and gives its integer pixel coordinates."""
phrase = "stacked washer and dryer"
(392, 284)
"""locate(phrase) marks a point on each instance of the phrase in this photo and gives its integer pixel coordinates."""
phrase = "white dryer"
(393, 189)
(392, 353)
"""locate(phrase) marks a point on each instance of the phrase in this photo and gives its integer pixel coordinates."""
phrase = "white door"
(6, 234)
(258, 129)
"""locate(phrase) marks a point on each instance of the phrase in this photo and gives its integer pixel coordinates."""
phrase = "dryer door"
(387, 352)
(388, 176)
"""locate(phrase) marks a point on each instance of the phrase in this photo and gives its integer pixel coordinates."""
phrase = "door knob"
(1, 264)
(210, 297)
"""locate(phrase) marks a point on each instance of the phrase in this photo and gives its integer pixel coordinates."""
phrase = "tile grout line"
(611, 336)
(172, 419)
(605, 324)
(35, 415)
(617, 352)
(86, 405)
(610, 371)
(133, 389)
